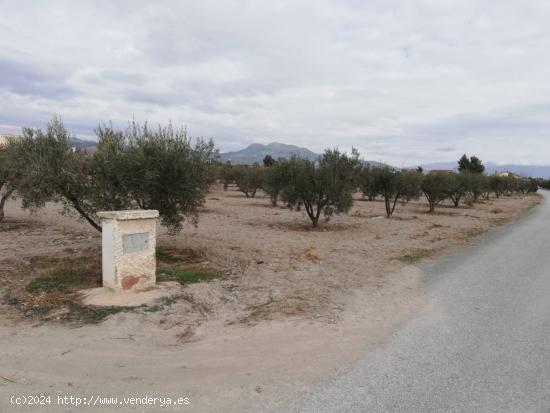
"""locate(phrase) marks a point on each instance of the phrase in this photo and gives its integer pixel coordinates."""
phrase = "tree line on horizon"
(326, 187)
(162, 168)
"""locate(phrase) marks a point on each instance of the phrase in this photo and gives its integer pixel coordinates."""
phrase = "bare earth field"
(289, 303)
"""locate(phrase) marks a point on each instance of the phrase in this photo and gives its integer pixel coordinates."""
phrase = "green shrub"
(187, 276)
(60, 279)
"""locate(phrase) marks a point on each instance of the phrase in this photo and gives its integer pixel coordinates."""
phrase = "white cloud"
(405, 82)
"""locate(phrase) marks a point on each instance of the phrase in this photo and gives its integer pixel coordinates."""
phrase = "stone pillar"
(128, 249)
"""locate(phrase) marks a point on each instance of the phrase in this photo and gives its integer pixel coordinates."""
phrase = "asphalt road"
(482, 345)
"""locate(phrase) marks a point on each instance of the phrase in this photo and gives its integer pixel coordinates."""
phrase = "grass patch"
(173, 255)
(187, 276)
(61, 280)
(91, 261)
(53, 281)
(183, 266)
(152, 308)
(165, 256)
(9, 299)
(52, 286)
(415, 255)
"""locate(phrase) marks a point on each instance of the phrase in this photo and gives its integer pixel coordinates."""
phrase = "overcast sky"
(403, 81)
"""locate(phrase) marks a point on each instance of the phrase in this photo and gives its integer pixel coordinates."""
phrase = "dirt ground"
(291, 304)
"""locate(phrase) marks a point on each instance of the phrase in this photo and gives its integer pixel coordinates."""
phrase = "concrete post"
(128, 249)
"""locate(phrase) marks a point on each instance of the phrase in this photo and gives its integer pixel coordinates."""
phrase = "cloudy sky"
(405, 81)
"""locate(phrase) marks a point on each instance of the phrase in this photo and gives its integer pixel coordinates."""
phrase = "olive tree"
(458, 186)
(393, 185)
(323, 187)
(274, 180)
(435, 187)
(135, 168)
(10, 172)
(111, 170)
(533, 186)
(497, 185)
(56, 172)
(6, 189)
(163, 169)
(365, 180)
(475, 184)
(511, 185)
(249, 179)
(227, 173)
(411, 185)
(523, 186)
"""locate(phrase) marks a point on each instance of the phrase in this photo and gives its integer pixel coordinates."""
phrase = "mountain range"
(256, 152)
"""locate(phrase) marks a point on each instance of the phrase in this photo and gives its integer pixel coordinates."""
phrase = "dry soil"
(292, 303)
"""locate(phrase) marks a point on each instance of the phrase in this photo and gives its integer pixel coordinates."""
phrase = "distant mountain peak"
(256, 152)
(277, 145)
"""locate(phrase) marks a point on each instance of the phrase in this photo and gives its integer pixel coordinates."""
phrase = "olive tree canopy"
(135, 168)
(323, 187)
(392, 185)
